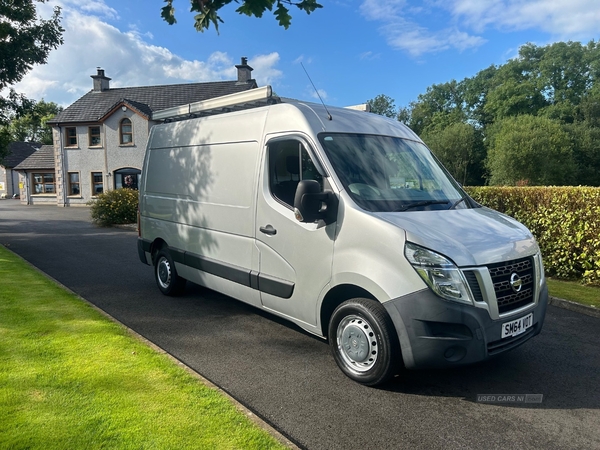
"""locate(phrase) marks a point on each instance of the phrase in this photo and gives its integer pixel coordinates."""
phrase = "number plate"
(516, 327)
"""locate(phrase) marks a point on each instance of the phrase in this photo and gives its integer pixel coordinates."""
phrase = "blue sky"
(352, 49)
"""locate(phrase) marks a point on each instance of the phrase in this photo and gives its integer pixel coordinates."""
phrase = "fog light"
(455, 353)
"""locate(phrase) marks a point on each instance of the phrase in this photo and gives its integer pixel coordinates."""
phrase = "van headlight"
(440, 274)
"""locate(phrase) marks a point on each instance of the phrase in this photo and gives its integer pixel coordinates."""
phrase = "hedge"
(117, 206)
(564, 220)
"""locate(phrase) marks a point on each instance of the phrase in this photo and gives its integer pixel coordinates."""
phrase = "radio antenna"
(319, 95)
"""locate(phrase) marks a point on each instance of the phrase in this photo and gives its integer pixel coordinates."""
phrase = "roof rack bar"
(214, 104)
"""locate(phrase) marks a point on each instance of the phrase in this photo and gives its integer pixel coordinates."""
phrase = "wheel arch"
(335, 297)
(157, 245)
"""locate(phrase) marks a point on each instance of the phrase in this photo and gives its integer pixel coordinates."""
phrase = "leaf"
(255, 8)
(308, 6)
(204, 19)
(168, 13)
(283, 16)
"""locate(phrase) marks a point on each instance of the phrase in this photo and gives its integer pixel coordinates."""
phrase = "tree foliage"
(530, 150)
(31, 125)
(383, 105)
(546, 89)
(25, 40)
(208, 11)
(459, 148)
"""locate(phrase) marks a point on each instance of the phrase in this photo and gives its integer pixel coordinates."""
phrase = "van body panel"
(369, 253)
(470, 237)
(249, 126)
(199, 197)
(183, 188)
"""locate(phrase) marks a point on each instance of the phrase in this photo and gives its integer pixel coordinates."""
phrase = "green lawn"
(72, 379)
(574, 291)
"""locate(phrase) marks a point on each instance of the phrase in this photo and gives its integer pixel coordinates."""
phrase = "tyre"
(364, 342)
(166, 276)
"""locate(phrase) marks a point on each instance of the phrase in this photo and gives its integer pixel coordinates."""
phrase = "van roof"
(335, 119)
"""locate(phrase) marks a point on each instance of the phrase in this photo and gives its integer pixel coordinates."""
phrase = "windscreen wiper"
(458, 202)
(423, 203)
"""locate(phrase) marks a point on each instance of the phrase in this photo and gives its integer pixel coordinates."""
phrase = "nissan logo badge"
(516, 283)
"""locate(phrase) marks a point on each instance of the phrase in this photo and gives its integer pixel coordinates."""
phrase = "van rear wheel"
(166, 276)
(363, 341)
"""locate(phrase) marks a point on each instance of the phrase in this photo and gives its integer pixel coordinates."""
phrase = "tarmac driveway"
(289, 378)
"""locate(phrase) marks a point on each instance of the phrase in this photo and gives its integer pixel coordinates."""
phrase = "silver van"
(342, 222)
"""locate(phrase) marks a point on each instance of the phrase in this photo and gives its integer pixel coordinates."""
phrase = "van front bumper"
(438, 333)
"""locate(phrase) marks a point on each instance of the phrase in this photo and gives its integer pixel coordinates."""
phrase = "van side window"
(289, 162)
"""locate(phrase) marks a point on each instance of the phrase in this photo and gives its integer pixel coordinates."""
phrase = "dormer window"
(126, 132)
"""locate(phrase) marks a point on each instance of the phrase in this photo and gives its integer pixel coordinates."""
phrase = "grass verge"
(71, 378)
(574, 291)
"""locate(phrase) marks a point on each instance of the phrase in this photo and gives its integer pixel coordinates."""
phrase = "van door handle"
(268, 230)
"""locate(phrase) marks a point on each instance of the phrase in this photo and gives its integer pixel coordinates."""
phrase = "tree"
(31, 126)
(459, 148)
(442, 105)
(25, 40)
(383, 105)
(208, 10)
(512, 98)
(586, 151)
(533, 150)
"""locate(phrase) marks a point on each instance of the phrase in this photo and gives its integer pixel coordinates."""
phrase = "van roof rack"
(227, 103)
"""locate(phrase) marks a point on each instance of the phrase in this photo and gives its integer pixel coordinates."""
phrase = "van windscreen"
(389, 174)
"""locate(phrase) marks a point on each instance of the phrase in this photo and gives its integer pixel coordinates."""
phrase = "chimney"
(244, 71)
(101, 82)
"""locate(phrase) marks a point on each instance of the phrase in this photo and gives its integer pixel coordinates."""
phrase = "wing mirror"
(311, 204)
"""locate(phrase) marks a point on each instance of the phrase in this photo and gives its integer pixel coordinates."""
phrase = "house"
(100, 140)
(38, 176)
(9, 178)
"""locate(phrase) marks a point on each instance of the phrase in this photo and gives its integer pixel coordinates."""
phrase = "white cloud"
(302, 59)
(400, 26)
(570, 19)
(264, 68)
(369, 56)
(413, 29)
(126, 56)
(310, 91)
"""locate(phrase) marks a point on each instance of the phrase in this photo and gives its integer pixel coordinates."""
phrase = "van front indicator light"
(439, 273)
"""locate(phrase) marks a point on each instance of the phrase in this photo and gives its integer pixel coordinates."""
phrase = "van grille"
(501, 273)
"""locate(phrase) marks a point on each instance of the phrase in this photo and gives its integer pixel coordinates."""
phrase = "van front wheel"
(364, 342)
(166, 276)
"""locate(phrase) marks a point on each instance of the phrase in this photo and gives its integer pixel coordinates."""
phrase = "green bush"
(564, 220)
(114, 207)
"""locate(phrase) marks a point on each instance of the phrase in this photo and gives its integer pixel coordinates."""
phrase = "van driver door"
(295, 258)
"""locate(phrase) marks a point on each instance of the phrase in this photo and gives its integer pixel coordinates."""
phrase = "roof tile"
(18, 151)
(93, 106)
(40, 160)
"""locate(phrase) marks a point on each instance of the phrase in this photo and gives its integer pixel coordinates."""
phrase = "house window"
(43, 183)
(97, 183)
(94, 135)
(71, 137)
(126, 132)
(74, 187)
